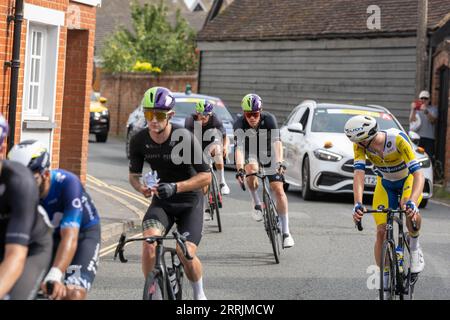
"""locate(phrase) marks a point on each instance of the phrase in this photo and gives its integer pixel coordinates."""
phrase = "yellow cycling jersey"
(398, 160)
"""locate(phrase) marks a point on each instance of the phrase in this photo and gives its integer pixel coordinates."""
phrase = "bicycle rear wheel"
(154, 288)
(388, 268)
(215, 196)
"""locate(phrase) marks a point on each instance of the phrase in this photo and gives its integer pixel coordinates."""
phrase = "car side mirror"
(415, 138)
(296, 127)
(103, 100)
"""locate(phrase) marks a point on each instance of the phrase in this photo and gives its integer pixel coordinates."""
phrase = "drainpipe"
(421, 44)
(15, 66)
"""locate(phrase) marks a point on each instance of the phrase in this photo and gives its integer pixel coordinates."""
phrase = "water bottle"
(399, 253)
(151, 179)
(173, 280)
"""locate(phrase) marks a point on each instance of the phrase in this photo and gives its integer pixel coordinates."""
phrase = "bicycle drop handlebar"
(179, 238)
(359, 223)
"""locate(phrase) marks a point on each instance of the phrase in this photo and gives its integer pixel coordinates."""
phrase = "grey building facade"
(292, 50)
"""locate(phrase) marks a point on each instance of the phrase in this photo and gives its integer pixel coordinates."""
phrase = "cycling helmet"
(32, 154)
(204, 107)
(4, 129)
(361, 128)
(251, 103)
(158, 98)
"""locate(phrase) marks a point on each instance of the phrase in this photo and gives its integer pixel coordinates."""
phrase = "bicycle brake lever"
(182, 245)
(119, 249)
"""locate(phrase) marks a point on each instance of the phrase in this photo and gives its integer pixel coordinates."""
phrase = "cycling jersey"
(398, 161)
(186, 208)
(214, 123)
(67, 204)
(23, 222)
(257, 142)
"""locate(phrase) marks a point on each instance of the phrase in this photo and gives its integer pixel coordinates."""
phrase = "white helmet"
(32, 154)
(361, 128)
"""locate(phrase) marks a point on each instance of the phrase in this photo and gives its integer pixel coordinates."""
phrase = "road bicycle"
(167, 280)
(270, 214)
(395, 257)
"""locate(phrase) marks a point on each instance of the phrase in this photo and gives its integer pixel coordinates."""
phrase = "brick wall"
(78, 17)
(125, 91)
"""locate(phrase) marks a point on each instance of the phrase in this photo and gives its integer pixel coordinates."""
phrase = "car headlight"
(425, 162)
(327, 155)
(105, 112)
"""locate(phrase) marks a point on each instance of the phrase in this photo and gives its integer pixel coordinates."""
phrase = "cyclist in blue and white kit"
(74, 217)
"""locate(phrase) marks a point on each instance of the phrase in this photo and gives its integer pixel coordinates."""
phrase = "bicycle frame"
(160, 251)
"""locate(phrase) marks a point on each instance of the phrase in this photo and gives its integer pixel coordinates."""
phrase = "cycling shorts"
(387, 194)
(162, 214)
(83, 268)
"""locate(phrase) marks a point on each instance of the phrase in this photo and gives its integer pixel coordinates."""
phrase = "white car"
(318, 155)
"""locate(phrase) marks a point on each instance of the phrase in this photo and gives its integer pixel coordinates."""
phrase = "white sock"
(414, 243)
(197, 287)
(284, 218)
(221, 176)
(255, 196)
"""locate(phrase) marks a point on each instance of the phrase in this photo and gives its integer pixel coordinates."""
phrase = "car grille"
(348, 167)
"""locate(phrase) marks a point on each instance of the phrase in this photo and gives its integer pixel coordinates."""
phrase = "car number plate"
(370, 180)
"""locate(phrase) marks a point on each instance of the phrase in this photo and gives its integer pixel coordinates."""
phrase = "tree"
(152, 39)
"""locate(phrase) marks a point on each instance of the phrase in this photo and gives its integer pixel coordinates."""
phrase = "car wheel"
(307, 193)
(101, 137)
(423, 203)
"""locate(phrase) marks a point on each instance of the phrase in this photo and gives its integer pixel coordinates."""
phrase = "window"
(304, 119)
(34, 100)
(40, 72)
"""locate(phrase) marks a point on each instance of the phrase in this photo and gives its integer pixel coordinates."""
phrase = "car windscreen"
(334, 119)
(186, 108)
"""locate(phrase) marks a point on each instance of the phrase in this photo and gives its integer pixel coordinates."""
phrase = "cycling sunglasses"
(198, 114)
(160, 115)
(252, 114)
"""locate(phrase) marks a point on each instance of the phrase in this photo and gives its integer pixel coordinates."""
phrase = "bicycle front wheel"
(154, 288)
(215, 195)
(184, 288)
(272, 229)
(388, 274)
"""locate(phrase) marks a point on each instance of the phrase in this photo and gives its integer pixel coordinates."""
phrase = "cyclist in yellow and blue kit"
(399, 175)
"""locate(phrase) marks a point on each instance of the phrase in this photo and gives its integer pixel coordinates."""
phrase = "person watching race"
(25, 232)
(177, 197)
(74, 217)
(217, 149)
(263, 126)
(399, 176)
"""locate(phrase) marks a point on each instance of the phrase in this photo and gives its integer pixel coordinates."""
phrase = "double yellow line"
(99, 183)
(100, 186)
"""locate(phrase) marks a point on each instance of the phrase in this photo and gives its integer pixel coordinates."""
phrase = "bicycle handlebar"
(384, 210)
(179, 238)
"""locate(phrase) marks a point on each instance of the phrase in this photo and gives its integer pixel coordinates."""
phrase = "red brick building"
(55, 75)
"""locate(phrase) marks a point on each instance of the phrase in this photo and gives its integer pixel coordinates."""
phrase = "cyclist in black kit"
(178, 196)
(213, 137)
(256, 135)
(25, 233)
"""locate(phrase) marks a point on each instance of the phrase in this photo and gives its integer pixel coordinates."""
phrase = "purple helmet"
(251, 103)
(158, 98)
(204, 107)
(4, 129)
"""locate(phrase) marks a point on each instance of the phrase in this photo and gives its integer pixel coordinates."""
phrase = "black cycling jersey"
(170, 167)
(257, 140)
(20, 221)
(214, 123)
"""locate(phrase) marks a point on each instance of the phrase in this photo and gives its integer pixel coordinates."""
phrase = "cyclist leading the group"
(74, 217)
(25, 232)
(262, 126)
(399, 175)
(178, 195)
(212, 126)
